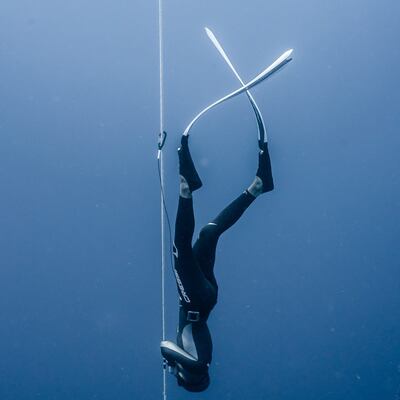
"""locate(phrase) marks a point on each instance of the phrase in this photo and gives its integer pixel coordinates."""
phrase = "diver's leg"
(184, 224)
(196, 293)
(189, 182)
(185, 268)
(231, 214)
(205, 247)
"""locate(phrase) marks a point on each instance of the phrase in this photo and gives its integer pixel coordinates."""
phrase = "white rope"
(161, 165)
(161, 55)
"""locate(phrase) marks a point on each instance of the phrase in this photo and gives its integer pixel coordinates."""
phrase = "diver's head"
(192, 382)
(191, 373)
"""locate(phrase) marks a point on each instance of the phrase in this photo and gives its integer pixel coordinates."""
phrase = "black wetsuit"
(194, 273)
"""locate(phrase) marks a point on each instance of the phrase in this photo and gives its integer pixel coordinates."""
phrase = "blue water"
(309, 278)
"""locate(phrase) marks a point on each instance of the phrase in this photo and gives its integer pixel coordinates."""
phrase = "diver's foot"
(255, 189)
(187, 170)
(263, 181)
(184, 190)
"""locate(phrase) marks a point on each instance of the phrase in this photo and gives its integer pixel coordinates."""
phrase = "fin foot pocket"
(186, 166)
(264, 171)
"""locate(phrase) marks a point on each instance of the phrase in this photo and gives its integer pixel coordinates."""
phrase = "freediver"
(189, 359)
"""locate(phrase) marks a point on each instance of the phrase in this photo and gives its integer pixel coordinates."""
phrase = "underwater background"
(309, 301)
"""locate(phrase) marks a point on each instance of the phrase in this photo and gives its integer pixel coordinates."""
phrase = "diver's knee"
(209, 231)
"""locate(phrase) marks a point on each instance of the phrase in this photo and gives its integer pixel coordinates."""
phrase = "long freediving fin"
(257, 112)
(265, 74)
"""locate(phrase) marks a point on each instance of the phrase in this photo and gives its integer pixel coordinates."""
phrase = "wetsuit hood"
(192, 382)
